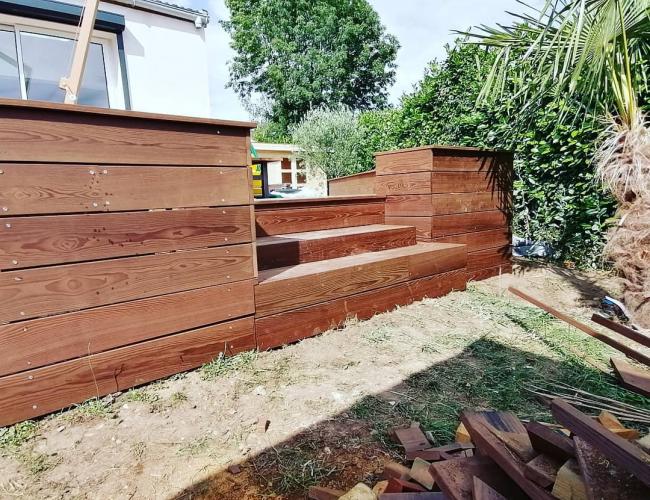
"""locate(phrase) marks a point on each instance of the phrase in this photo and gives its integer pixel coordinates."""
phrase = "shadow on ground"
(354, 445)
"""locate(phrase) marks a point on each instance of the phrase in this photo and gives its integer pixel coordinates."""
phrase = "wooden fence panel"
(47, 240)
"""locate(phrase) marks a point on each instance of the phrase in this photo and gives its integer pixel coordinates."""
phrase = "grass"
(38, 463)
(195, 447)
(89, 410)
(141, 396)
(17, 435)
(223, 365)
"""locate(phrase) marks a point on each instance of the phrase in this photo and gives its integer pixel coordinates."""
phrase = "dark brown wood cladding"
(34, 343)
(30, 293)
(44, 390)
(47, 240)
(51, 189)
(54, 134)
(444, 204)
(441, 182)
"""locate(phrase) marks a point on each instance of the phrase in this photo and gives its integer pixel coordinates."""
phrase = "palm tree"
(595, 53)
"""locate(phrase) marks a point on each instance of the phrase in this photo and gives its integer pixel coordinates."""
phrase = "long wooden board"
(33, 343)
(620, 451)
(488, 258)
(48, 135)
(44, 390)
(631, 377)
(298, 248)
(293, 287)
(444, 204)
(480, 240)
(296, 220)
(428, 228)
(291, 326)
(50, 189)
(440, 182)
(626, 331)
(443, 159)
(47, 240)
(37, 292)
(491, 272)
(397, 162)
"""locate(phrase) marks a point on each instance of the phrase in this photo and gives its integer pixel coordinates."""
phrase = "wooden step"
(298, 248)
(289, 288)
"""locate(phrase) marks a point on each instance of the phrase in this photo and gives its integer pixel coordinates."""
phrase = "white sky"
(423, 27)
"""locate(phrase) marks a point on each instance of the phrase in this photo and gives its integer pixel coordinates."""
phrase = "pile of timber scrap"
(496, 456)
(631, 378)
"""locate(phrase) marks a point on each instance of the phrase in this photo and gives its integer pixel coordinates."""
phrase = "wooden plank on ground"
(455, 477)
(569, 484)
(631, 377)
(297, 220)
(291, 326)
(486, 440)
(47, 240)
(30, 293)
(543, 470)
(623, 453)
(481, 491)
(50, 189)
(548, 441)
(44, 390)
(605, 480)
(47, 135)
(628, 351)
(622, 329)
(43, 341)
(411, 438)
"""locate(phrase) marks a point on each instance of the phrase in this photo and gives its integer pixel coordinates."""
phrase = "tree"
(295, 55)
(330, 140)
(593, 53)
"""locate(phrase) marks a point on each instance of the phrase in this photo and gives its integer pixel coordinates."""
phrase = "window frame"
(109, 42)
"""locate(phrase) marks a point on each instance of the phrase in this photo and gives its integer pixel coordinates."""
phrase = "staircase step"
(298, 248)
(288, 288)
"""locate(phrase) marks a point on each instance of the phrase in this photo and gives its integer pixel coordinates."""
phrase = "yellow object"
(256, 169)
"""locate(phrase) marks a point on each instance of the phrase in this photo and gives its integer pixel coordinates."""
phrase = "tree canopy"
(295, 55)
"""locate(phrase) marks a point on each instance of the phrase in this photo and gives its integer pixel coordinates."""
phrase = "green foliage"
(557, 198)
(270, 132)
(330, 140)
(299, 54)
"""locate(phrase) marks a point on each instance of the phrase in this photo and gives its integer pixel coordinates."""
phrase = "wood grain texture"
(490, 257)
(491, 272)
(39, 342)
(292, 203)
(628, 351)
(298, 286)
(605, 480)
(51, 189)
(46, 135)
(41, 291)
(363, 183)
(47, 240)
(626, 331)
(44, 390)
(296, 220)
(631, 377)
(298, 248)
(404, 162)
(441, 183)
(548, 441)
(401, 184)
(443, 204)
(439, 226)
(292, 326)
(480, 240)
(621, 452)
(443, 159)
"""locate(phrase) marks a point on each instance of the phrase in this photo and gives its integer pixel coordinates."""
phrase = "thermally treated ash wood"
(53, 189)
(44, 390)
(628, 351)
(622, 452)
(440, 226)
(631, 377)
(622, 329)
(440, 182)
(442, 204)
(47, 240)
(30, 293)
(33, 343)
(548, 441)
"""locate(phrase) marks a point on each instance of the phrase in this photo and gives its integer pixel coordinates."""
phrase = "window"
(34, 57)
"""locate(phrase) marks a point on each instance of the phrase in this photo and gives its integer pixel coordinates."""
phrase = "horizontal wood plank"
(47, 240)
(296, 220)
(401, 184)
(439, 226)
(39, 342)
(443, 204)
(480, 240)
(291, 326)
(47, 135)
(441, 183)
(404, 162)
(50, 189)
(44, 390)
(41, 291)
(490, 257)
(363, 183)
(491, 272)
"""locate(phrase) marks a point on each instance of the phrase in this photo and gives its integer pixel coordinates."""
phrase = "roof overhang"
(200, 18)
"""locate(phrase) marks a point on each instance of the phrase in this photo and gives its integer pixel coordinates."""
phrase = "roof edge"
(200, 18)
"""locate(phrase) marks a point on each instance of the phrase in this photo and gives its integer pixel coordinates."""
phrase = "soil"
(176, 438)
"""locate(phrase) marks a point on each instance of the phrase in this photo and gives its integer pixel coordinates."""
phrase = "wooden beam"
(622, 330)
(632, 378)
(550, 442)
(628, 351)
(622, 452)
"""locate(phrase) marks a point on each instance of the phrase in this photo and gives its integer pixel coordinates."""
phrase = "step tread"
(322, 266)
(327, 233)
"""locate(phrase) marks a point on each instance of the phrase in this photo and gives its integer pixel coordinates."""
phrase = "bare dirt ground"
(329, 400)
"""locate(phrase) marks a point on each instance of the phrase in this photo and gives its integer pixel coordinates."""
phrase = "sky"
(423, 28)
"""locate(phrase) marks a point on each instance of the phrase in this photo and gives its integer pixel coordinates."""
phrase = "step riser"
(275, 296)
(291, 326)
(292, 252)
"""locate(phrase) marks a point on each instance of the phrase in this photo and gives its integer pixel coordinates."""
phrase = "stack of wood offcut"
(496, 456)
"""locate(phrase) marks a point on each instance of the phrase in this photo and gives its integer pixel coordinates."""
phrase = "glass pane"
(9, 80)
(47, 58)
